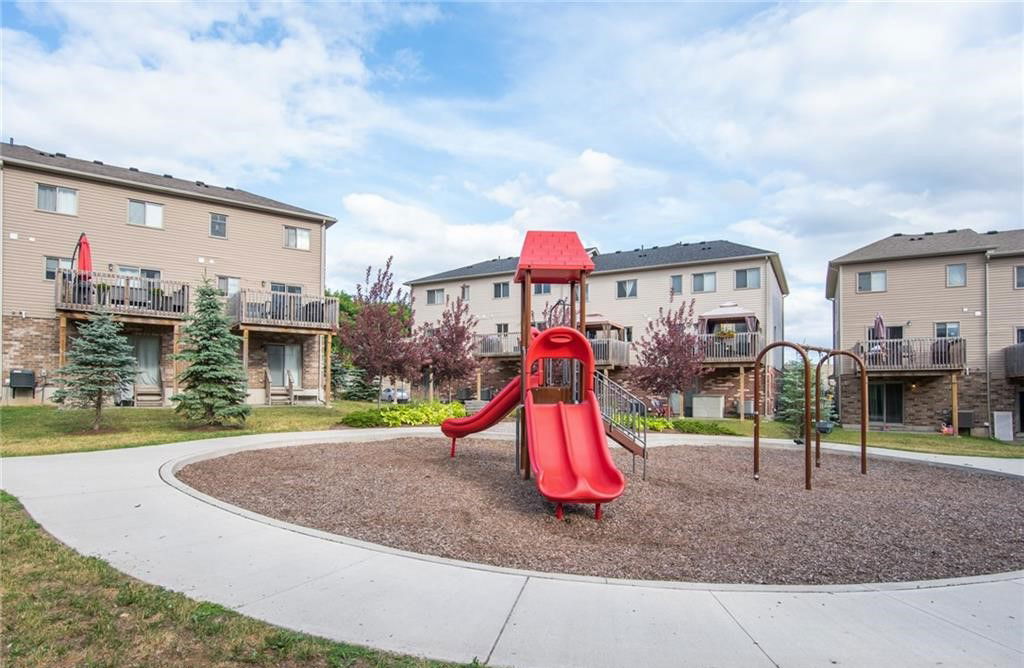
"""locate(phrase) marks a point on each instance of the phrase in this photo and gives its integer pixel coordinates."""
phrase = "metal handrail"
(624, 412)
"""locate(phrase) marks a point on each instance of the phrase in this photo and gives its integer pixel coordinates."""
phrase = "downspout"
(988, 370)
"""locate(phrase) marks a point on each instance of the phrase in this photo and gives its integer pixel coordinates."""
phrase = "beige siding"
(916, 297)
(1006, 310)
(653, 293)
(254, 250)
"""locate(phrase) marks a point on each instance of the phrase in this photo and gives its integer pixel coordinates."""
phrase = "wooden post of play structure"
(524, 343)
(572, 304)
(955, 415)
(743, 391)
(583, 303)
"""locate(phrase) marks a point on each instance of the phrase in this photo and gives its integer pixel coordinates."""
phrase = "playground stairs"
(624, 415)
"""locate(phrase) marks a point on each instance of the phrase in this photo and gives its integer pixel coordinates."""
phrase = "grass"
(897, 440)
(42, 430)
(61, 608)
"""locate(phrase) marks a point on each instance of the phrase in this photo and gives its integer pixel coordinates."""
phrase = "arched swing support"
(829, 354)
(807, 407)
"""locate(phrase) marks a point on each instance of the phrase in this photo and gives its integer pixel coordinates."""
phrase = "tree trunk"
(98, 414)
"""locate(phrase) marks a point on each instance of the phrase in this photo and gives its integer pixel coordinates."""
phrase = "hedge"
(404, 415)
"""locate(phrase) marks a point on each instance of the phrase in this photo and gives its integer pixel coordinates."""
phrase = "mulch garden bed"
(698, 517)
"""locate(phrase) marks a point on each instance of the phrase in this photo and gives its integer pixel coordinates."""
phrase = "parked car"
(394, 395)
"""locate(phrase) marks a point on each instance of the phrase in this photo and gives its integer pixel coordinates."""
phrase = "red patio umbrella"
(83, 251)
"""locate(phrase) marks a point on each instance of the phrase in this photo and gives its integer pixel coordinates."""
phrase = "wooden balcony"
(281, 310)
(90, 292)
(722, 348)
(918, 354)
(607, 352)
(1014, 360)
(610, 352)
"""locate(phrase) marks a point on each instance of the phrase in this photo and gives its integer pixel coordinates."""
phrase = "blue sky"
(441, 133)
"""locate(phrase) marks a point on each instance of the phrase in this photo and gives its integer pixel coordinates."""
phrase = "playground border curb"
(168, 474)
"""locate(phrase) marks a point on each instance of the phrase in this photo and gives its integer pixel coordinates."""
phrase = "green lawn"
(60, 608)
(898, 440)
(40, 430)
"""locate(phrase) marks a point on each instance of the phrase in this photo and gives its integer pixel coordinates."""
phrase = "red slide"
(568, 451)
(488, 416)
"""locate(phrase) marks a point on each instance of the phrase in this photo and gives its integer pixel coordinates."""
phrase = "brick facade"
(258, 357)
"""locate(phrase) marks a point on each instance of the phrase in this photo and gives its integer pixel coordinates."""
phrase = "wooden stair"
(149, 396)
(279, 396)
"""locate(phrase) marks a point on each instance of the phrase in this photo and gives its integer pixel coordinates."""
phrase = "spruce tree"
(214, 380)
(101, 363)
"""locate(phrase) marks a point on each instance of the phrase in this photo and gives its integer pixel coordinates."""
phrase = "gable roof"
(928, 244)
(552, 257)
(640, 258)
(26, 156)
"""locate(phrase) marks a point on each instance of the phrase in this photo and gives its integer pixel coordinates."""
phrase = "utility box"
(708, 406)
(1003, 424)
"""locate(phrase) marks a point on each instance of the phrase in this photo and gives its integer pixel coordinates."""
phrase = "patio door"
(147, 364)
(282, 358)
(885, 403)
(285, 300)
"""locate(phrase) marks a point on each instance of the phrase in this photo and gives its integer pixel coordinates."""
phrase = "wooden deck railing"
(1014, 360)
(913, 354)
(735, 348)
(118, 293)
(610, 352)
(281, 309)
(497, 345)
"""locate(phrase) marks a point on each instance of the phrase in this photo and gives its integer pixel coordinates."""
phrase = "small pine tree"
(790, 406)
(214, 380)
(349, 382)
(100, 364)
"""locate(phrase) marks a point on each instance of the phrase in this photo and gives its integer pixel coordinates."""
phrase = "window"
(626, 289)
(465, 293)
(228, 285)
(891, 333)
(748, 278)
(502, 328)
(1020, 335)
(435, 296)
(871, 281)
(145, 214)
(542, 288)
(218, 225)
(501, 290)
(885, 402)
(956, 275)
(1018, 278)
(296, 237)
(706, 282)
(676, 284)
(56, 199)
(284, 287)
(55, 263)
(138, 273)
(947, 330)
(628, 334)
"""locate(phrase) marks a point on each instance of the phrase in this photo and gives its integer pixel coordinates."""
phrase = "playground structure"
(562, 425)
(827, 353)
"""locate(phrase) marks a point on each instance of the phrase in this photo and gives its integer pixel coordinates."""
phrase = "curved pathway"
(126, 507)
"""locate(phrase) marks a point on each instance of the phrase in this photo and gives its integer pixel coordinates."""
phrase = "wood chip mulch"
(699, 516)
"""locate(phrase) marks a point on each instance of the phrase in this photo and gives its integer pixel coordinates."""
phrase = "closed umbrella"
(80, 281)
(879, 327)
(83, 251)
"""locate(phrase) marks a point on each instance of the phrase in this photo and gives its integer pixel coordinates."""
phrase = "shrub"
(404, 415)
(701, 427)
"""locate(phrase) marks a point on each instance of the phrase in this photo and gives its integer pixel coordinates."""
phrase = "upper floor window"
(501, 290)
(706, 282)
(748, 278)
(956, 275)
(465, 293)
(435, 296)
(947, 330)
(542, 288)
(296, 237)
(871, 281)
(502, 328)
(53, 265)
(218, 225)
(1018, 277)
(145, 214)
(228, 285)
(676, 283)
(56, 199)
(625, 289)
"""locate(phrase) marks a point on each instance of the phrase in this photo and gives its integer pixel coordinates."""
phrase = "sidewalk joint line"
(743, 628)
(303, 583)
(950, 622)
(505, 623)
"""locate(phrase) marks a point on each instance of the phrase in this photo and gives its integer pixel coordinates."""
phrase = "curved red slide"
(492, 413)
(568, 451)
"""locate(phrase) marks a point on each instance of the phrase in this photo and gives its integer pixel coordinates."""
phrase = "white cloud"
(590, 174)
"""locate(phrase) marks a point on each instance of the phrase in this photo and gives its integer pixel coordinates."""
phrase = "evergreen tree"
(214, 380)
(101, 363)
(349, 382)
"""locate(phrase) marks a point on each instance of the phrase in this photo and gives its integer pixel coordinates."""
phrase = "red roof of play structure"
(553, 257)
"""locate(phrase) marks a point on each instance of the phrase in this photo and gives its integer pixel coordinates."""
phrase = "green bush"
(404, 415)
(700, 427)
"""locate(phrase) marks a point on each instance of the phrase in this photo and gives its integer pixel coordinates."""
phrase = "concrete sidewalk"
(115, 505)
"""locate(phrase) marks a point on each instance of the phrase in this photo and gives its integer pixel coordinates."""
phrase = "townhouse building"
(153, 239)
(738, 292)
(939, 320)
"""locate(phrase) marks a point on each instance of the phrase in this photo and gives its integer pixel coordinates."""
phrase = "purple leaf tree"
(669, 357)
(448, 344)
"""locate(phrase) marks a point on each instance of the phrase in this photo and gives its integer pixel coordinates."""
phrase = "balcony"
(282, 310)
(913, 354)
(607, 352)
(729, 347)
(94, 291)
(1014, 360)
